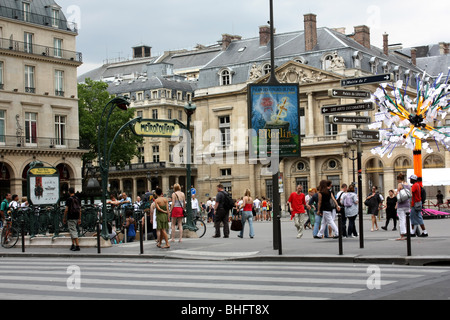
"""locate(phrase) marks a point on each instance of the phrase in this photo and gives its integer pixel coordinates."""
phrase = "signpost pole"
(276, 201)
(360, 195)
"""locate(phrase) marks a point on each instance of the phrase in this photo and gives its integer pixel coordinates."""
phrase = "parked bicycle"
(10, 234)
(200, 225)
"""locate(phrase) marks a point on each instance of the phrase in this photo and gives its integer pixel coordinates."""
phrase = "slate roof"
(436, 65)
(41, 13)
(148, 84)
(242, 54)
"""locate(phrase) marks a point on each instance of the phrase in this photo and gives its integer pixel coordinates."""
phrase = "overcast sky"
(109, 29)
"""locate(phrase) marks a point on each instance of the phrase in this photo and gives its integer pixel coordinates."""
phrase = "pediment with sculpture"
(292, 72)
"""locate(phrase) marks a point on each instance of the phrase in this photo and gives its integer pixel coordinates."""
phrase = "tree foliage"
(93, 97)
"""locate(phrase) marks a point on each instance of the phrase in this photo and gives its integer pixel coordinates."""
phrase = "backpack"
(228, 203)
(423, 194)
(348, 200)
(75, 208)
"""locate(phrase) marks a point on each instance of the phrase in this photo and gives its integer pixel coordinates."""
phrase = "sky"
(109, 29)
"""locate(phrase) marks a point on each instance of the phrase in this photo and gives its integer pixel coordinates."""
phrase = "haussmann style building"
(38, 94)
(216, 77)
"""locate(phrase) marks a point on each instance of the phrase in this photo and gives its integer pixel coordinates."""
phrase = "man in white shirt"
(257, 206)
(195, 207)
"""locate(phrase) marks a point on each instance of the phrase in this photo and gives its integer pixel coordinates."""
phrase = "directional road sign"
(350, 120)
(366, 80)
(346, 108)
(363, 135)
(351, 94)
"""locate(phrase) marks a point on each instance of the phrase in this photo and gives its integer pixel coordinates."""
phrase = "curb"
(350, 259)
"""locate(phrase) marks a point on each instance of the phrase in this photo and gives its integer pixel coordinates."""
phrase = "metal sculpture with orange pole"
(414, 123)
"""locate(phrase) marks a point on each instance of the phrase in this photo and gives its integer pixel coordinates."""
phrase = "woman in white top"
(15, 202)
(177, 208)
(350, 201)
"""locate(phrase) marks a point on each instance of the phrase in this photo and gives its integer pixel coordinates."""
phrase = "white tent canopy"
(434, 177)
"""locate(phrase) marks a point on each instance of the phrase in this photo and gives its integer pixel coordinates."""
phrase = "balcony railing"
(41, 143)
(140, 166)
(39, 19)
(18, 46)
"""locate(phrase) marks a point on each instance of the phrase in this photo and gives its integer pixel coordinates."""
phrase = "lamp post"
(103, 159)
(189, 108)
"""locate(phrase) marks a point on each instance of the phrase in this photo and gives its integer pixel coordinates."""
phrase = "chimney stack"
(264, 35)
(227, 39)
(362, 36)
(414, 56)
(386, 44)
(444, 48)
(310, 31)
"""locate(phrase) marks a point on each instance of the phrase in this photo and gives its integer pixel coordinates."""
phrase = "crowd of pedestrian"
(318, 210)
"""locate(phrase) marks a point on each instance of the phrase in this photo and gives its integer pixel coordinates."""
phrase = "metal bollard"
(99, 250)
(408, 234)
(141, 237)
(341, 247)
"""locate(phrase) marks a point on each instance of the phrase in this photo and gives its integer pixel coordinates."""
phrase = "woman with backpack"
(374, 202)
(351, 210)
(391, 210)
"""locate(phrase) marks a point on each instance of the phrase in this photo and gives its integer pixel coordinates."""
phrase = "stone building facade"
(38, 94)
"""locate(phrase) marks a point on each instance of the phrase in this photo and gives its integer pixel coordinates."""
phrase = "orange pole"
(418, 159)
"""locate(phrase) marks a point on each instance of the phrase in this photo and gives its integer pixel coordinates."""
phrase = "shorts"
(72, 224)
(416, 217)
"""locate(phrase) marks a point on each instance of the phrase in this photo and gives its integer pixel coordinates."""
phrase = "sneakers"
(74, 248)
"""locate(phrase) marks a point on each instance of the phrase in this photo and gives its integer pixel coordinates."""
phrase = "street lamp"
(103, 159)
(190, 109)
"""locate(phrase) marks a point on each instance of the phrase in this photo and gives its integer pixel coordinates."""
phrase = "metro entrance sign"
(365, 80)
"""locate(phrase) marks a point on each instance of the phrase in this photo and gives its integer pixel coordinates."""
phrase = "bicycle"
(10, 234)
(200, 225)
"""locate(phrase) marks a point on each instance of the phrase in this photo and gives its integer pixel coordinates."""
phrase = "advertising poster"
(43, 186)
(274, 113)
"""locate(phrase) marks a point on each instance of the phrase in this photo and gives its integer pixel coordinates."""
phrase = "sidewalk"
(380, 247)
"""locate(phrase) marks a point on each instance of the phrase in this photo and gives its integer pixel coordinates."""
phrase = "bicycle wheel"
(10, 236)
(201, 228)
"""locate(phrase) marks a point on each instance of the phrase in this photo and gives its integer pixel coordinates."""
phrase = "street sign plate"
(366, 80)
(346, 108)
(351, 94)
(350, 120)
(363, 135)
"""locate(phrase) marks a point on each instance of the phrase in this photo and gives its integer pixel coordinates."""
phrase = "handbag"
(404, 195)
(236, 225)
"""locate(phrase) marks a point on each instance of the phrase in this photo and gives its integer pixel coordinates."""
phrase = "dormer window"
(26, 7)
(357, 59)
(267, 68)
(225, 77)
(55, 18)
(386, 67)
(374, 65)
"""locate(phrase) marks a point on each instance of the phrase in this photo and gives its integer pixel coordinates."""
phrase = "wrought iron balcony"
(24, 142)
(19, 46)
(43, 20)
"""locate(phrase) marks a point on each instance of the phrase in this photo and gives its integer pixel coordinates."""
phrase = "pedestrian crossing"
(43, 279)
